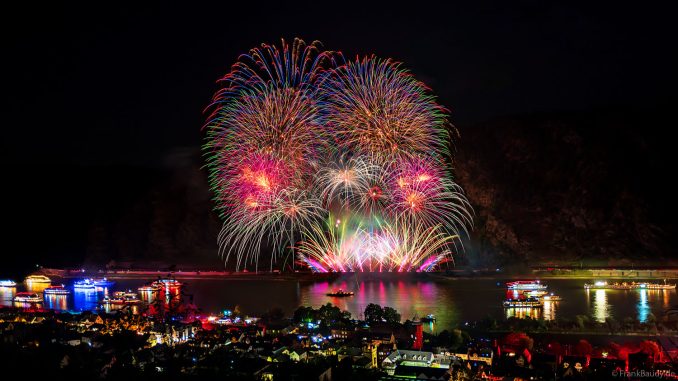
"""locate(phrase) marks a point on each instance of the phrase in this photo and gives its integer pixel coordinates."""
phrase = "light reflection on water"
(120, 307)
(27, 304)
(550, 310)
(604, 303)
(601, 307)
(37, 286)
(86, 300)
(410, 301)
(7, 295)
(523, 312)
(643, 307)
(148, 296)
(56, 302)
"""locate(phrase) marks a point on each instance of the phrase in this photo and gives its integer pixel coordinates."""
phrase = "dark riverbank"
(582, 273)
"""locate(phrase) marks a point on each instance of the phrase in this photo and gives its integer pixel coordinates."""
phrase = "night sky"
(96, 98)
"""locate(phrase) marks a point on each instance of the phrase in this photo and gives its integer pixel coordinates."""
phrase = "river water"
(452, 301)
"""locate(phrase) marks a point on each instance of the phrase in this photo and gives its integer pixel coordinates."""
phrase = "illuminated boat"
(148, 289)
(603, 285)
(340, 293)
(103, 282)
(526, 285)
(7, 283)
(28, 297)
(551, 298)
(122, 298)
(84, 285)
(430, 318)
(529, 302)
(536, 293)
(169, 283)
(56, 290)
(37, 279)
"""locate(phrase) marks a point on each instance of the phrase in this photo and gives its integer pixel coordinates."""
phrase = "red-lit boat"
(28, 297)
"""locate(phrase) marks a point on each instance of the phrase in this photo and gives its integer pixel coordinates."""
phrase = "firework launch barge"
(340, 293)
(600, 285)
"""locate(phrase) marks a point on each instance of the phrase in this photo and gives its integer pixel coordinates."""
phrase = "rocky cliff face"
(567, 188)
(168, 218)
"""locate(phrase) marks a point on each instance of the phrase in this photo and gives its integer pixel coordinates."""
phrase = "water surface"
(452, 301)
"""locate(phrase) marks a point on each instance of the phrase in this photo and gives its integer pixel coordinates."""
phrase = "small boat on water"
(37, 279)
(84, 285)
(122, 298)
(7, 283)
(148, 289)
(430, 318)
(551, 298)
(166, 283)
(56, 290)
(603, 285)
(536, 293)
(529, 302)
(28, 297)
(526, 285)
(103, 282)
(340, 293)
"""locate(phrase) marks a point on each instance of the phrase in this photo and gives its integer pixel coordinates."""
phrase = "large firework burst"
(380, 110)
(298, 135)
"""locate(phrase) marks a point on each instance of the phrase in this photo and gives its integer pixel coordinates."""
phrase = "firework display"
(340, 165)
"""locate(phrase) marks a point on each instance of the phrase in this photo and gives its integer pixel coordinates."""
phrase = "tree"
(651, 319)
(612, 325)
(274, 314)
(651, 348)
(554, 348)
(456, 339)
(519, 341)
(303, 314)
(374, 313)
(391, 315)
(329, 314)
(345, 315)
(582, 321)
(583, 348)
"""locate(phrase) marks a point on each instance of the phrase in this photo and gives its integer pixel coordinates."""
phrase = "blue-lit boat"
(56, 290)
(7, 283)
(103, 282)
(84, 285)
